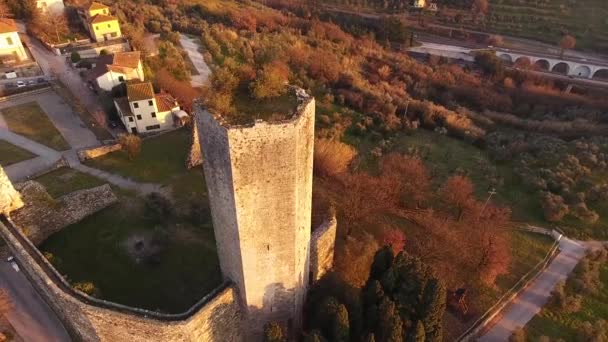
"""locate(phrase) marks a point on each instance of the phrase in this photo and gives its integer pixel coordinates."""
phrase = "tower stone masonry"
(259, 180)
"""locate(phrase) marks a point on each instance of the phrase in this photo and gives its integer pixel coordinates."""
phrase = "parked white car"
(20, 84)
(11, 260)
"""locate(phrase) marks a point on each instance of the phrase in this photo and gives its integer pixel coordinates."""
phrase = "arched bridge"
(577, 67)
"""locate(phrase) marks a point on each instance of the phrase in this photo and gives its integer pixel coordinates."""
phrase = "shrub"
(554, 207)
(332, 157)
(158, 208)
(75, 57)
(88, 288)
(273, 333)
(131, 144)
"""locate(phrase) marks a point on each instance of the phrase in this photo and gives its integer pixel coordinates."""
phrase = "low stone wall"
(195, 157)
(322, 245)
(216, 317)
(96, 152)
(43, 216)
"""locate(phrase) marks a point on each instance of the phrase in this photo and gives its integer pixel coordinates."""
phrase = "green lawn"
(564, 325)
(161, 160)
(65, 180)
(94, 250)
(32, 122)
(11, 154)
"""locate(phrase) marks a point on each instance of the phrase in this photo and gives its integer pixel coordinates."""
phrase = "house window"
(150, 103)
(105, 11)
(109, 25)
(113, 34)
(121, 79)
(96, 27)
(139, 117)
(153, 114)
(130, 119)
(149, 128)
(135, 105)
(9, 40)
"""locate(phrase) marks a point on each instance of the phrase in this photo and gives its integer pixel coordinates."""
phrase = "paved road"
(31, 317)
(533, 298)
(197, 59)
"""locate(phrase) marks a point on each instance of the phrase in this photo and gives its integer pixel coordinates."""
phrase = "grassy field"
(564, 325)
(11, 154)
(161, 159)
(32, 122)
(95, 250)
(65, 180)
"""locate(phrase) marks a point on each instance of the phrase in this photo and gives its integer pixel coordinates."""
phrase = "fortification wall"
(89, 319)
(259, 179)
(322, 248)
(96, 152)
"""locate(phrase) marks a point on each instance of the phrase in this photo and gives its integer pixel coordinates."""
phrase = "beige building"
(51, 6)
(142, 111)
(113, 70)
(11, 48)
(100, 23)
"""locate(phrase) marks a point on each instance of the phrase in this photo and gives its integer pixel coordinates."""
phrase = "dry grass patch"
(32, 122)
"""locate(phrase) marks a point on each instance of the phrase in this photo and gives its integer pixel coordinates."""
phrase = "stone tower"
(259, 179)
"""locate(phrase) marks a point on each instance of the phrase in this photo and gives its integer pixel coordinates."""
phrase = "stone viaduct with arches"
(569, 67)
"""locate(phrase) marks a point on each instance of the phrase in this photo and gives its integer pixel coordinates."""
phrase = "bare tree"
(480, 7)
(567, 42)
(5, 302)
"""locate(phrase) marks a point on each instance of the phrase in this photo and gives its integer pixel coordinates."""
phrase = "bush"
(158, 208)
(131, 144)
(88, 288)
(332, 157)
(273, 333)
(75, 57)
(554, 207)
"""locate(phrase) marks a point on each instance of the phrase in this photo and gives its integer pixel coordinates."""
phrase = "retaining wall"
(216, 317)
(97, 152)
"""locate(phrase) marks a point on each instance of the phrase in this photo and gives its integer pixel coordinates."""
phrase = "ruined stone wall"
(97, 152)
(259, 179)
(195, 157)
(9, 197)
(322, 246)
(89, 319)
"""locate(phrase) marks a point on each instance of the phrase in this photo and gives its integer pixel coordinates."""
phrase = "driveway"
(67, 122)
(192, 49)
(31, 317)
(525, 306)
(56, 66)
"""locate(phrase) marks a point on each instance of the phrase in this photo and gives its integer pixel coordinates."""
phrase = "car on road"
(11, 260)
(20, 84)
(113, 124)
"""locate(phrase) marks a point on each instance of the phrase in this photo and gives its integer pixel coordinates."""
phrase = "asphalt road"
(532, 299)
(31, 317)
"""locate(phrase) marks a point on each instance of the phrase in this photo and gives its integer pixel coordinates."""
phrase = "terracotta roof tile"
(7, 25)
(101, 18)
(126, 59)
(140, 91)
(97, 6)
(165, 102)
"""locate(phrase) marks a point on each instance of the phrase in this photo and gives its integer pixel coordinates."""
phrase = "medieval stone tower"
(259, 179)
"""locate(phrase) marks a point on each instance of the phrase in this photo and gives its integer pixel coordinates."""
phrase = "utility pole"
(491, 193)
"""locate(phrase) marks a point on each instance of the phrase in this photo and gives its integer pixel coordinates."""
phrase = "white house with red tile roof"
(142, 111)
(112, 70)
(11, 48)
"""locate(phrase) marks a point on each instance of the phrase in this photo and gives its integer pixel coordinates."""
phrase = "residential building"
(52, 6)
(142, 111)
(419, 3)
(11, 48)
(100, 23)
(112, 70)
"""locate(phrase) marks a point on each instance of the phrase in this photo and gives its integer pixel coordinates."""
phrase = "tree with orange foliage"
(457, 193)
(395, 238)
(181, 90)
(407, 180)
(271, 81)
(567, 42)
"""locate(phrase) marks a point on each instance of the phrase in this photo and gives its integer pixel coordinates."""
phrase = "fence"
(514, 291)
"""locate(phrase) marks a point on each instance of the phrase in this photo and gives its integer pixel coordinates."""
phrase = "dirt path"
(197, 59)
